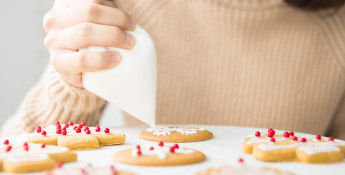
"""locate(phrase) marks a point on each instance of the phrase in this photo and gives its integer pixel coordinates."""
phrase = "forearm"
(50, 100)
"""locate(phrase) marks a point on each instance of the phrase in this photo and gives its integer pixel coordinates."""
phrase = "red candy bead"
(59, 165)
(78, 130)
(257, 134)
(106, 130)
(6, 142)
(38, 129)
(88, 132)
(286, 134)
(240, 160)
(151, 148)
(70, 123)
(272, 140)
(58, 131)
(98, 129)
(57, 123)
(138, 146)
(331, 139)
(25, 144)
(8, 148)
(292, 133)
(172, 149)
(83, 171)
(271, 131)
(64, 132)
(44, 133)
(161, 143)
(294, 138)
(43, 146)
(26, 148)
(139, 153)
(303, 140)
(86, 128)
(75, 127)
(83, 123)
(270, 134)
(65, 126)
(176, 146)
(318, 137)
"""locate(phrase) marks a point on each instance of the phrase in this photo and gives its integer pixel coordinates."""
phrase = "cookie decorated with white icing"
(85, 169)
(275, 147)
(161, 154)
(176, 134)
(28, 157)
(242, 169)
(76, 137)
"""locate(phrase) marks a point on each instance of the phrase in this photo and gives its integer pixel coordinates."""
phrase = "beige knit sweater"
(258, 63)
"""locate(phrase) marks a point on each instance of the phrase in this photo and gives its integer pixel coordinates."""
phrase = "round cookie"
(176, 134)
(159, 155)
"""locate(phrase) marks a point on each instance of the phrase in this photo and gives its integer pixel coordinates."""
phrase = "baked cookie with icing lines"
(82, 168)
(76, 137)
(160, 154)
(285, 146)
(26, 158)
(176, 134)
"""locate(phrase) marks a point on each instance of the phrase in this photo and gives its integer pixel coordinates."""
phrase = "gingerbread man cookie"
(26, 158)
(160, 154)
(176, 134)
(273, 147)
(76, 137)
(85, 169)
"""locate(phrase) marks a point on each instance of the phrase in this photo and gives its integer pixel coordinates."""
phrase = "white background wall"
(23, 55)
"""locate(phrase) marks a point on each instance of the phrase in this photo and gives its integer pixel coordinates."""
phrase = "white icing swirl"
(160, 151)
(167, 131)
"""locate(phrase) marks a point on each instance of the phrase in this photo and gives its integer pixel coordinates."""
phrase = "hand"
(75, 24)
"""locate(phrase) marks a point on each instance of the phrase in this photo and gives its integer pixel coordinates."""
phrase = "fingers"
(87, 34)
(88, 13)
(78, 62)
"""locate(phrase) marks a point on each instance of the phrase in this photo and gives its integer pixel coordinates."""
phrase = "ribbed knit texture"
(258, 63)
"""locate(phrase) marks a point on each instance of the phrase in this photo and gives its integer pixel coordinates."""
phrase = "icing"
(26, 157)
(84, 169)
(167, 131)
(318, 148)
(266, 147)
(160, 151)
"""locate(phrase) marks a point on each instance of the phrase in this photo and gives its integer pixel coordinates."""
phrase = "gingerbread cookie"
(76, 137)
(85, 169)
(26, 158)
(273, 147)
(160, 154)
(176, 134)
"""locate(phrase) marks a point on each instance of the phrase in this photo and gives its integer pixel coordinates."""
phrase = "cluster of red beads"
(138, 150)
(39, 130)
(271, 132)
(113, 170)
(26, 146)
(172, 148)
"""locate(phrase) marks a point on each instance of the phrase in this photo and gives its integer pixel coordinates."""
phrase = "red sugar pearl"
(44, 133)
(292, 133)
(318, 137)
(38, 129)
(172, 149)
(271, 131)
(8, 148)
(43, 146)
(176, 146)
(58, 131)
(106, 130)
(78, 130)
(331, 139)
(57, 123)
(59, 165)
(88, 132)
(6, 142)
(70, 123)
(26, 148)
(240, 160)
(270, 134)
(257, 134)
(138, 146)
(98, 129)
(64, 132)
(65, 126)
(75, 127)
(98, 126)
(151, 148)
(303, 140)
(83, 171)
(294, 138)
(286, 134)
(83, 123)
(25, 144)
(86, 128)
(272, 140)
(139, 153)
(161, 143)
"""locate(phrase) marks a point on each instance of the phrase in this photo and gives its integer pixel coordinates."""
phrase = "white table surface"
(223, 149)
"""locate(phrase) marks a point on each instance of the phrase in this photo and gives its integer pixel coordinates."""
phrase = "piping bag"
(131, 85)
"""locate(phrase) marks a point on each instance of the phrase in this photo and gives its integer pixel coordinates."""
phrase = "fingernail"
(114, 58)
(132, 23)
(129, 38)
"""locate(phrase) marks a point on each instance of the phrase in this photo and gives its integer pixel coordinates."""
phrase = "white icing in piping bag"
(131, 85)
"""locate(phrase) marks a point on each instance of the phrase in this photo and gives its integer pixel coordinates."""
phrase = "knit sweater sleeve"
(53, 99)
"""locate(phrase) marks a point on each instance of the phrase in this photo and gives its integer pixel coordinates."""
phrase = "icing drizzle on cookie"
(160, 150)
(167, 131)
